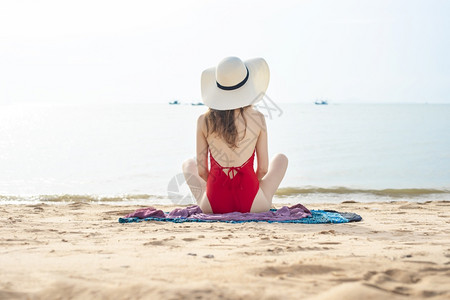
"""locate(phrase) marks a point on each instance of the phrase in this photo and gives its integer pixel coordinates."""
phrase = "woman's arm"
(262, 151)
(202, 149)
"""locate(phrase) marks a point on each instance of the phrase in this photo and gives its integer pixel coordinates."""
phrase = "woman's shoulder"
(201, 118)
(256, 115)
(201, 122)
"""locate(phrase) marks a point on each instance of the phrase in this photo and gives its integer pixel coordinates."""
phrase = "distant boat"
(176, 102)
(198, 103)
(321, 102)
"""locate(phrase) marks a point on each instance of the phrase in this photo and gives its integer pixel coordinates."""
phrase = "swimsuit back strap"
(235, 168)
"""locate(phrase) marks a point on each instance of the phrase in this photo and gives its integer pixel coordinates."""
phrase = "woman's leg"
(270, 183)
(196, 184)
(260, 203)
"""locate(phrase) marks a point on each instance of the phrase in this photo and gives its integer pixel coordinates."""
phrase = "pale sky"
(155, 51)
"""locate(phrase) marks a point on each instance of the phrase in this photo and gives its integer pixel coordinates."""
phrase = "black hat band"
(229, 88)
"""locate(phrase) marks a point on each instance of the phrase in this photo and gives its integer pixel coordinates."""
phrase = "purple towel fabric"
(285, 213)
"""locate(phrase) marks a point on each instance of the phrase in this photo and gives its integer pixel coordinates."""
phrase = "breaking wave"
(394, 193)
(289, 194)
(80, 198)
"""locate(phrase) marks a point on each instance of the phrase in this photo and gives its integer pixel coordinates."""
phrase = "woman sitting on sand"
(232, 131)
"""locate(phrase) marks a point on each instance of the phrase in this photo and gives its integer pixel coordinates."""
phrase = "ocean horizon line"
(195, 102)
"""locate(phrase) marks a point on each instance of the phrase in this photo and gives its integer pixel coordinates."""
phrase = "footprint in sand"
(357, 290)
(411, 206)
(300, 248)
(295, 270)
(153, 243)
(402, 276)
(189, 239)
(78, 205)
(393, 280)
(275, 250)
(118, 212)
(328, 232)
(329, 243)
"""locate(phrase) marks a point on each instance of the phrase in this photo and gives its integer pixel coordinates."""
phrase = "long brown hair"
(223, 123)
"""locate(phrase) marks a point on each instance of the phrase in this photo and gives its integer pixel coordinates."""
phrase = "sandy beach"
(400, 250)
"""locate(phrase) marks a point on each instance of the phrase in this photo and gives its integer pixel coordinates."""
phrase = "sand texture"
(400, 250)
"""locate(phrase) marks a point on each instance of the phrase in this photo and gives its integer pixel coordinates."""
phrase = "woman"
(232, 132)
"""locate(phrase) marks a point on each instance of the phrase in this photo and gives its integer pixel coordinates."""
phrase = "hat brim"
(250, 93)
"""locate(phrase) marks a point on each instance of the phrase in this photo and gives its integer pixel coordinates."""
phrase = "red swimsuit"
(232, 190)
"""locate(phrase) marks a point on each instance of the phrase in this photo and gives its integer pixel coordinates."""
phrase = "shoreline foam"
(285, 195)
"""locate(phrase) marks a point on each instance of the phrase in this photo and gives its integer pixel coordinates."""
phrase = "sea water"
(132, 152)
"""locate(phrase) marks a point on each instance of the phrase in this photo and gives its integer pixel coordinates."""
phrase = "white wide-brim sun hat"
(235, 83)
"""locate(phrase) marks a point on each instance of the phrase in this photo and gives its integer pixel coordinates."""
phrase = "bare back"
(248, 137)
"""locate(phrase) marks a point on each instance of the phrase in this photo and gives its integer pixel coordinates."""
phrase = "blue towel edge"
(333, 218)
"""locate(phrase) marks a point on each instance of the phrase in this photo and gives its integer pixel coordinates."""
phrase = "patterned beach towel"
(293, 214)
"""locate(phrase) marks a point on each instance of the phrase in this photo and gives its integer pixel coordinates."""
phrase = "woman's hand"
(261, 173)
(204, 175)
